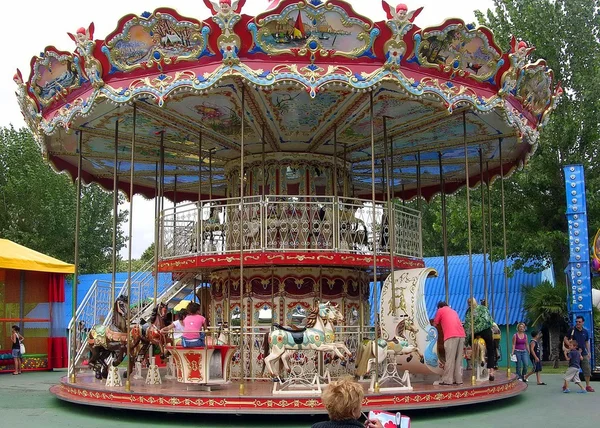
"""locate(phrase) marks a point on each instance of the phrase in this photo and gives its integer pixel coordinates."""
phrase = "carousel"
(296, 147)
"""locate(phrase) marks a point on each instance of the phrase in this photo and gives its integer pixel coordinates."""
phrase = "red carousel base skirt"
(173, 396)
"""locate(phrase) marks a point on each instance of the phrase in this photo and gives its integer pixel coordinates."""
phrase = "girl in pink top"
(193, 325)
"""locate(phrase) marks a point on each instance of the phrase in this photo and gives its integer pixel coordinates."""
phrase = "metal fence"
(304, 223)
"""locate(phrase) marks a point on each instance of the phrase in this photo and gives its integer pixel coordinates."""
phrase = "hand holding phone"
(373, 423)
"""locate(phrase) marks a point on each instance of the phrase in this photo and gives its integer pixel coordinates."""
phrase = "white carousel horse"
(375, 352)
(329, 338)
(280, 340)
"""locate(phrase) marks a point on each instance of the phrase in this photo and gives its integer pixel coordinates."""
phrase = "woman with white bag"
(17, 348)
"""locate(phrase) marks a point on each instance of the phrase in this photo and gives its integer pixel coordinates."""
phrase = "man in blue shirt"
(582, 337)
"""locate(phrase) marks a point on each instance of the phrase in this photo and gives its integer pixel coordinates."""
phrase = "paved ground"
(26, 402)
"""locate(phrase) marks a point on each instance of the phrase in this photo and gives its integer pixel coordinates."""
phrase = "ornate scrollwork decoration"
(29, 108)
(55, 75)
(311, 28)
(156, 39)
(459, 49)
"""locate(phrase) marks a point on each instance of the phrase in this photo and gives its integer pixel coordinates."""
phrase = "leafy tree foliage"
(565, 33)
(37, 207)
(546, 305)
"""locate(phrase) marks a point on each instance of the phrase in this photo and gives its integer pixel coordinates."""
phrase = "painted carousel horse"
(478, 353)
(313, 336)
(148, 333)
(329, 338)
(221, 337)
(106, 341)
(373, 352)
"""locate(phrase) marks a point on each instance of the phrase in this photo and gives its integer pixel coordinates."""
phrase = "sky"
(30, 25)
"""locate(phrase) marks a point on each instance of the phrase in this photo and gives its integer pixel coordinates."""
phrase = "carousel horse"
(329, 338)
(479, 352)
(372, 351)
(106, 341)
(282, 339)
(148, 333)
(222, 336)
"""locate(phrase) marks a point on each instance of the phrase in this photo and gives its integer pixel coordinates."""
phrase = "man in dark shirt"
(582, 337)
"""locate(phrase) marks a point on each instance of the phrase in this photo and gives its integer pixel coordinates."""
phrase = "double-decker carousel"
(289, 143)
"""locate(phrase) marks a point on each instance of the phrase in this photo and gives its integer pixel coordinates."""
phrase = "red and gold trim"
(287, 259)
(172, 401)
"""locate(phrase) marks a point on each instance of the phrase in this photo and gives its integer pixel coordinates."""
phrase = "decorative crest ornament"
(313, 29)
(459, 49)
(400, 15)
(84, 38)
(519, 53)
(28, 107)
(400, 22)
(54, 75)
(226, 14)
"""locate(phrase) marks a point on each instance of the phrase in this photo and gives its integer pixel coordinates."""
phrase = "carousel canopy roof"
(15, 256)
(300, 76)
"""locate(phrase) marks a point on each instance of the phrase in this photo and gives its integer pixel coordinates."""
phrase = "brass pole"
(374, 223)
(483, 237)
(391, 215)
(335, 177)
(158, 214)
(505, 255)
(131, 177)
(241, 231)
(210, 174)
(464, 115)
(345, 169)
(199, 231)
(489, 198)
(419, 201)
(73, 376)
(263, 216)
(115, 215)
(336, 201)
(444, 231)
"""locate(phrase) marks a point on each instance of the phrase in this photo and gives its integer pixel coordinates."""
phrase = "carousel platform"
(172, 396)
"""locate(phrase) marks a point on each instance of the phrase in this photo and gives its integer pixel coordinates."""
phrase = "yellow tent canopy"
(15, 256)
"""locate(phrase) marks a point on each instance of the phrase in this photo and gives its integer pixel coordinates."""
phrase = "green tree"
(148, 253)
(546, 305)
(37, 207)
(565, 34)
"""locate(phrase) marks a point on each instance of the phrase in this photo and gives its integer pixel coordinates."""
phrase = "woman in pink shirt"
(193, 324)
(520, 350)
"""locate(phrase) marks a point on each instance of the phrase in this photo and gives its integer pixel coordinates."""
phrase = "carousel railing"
(304, 223)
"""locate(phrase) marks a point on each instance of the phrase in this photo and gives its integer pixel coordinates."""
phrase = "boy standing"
(535, 354)
(572, 374)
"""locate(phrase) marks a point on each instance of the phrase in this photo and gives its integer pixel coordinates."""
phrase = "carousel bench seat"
(207, 365)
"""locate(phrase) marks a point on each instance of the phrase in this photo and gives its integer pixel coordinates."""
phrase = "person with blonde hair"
(343, 401)
(482, 327)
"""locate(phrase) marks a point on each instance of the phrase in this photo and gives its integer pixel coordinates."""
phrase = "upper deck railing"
(289, 223)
